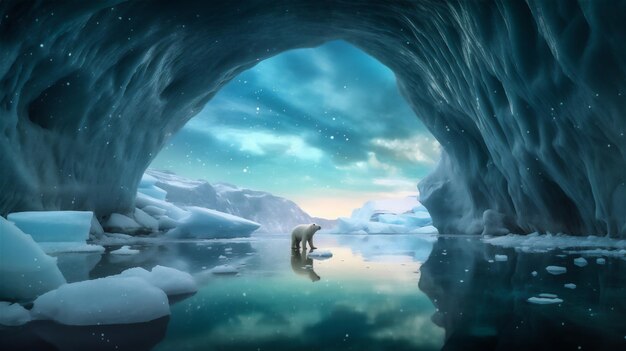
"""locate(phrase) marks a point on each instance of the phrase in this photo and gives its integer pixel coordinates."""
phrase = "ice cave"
(516, 240)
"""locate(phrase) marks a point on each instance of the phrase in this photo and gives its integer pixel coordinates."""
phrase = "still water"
(401, 292)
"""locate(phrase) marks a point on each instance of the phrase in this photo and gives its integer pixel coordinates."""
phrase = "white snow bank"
(170, 280)
(54, 226)
(26, 271)
(320, 254)
(125, 250)
(110, 300)
(224, 269)
(13, 314)
(544, 300)
(205, 223)
(556, 270)
(541, 242)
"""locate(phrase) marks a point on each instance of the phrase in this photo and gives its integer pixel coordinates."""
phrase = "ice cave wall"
(526, 98)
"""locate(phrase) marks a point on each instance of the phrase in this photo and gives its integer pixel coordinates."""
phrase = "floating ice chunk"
(580, 261)
(110, 300)
(170, 280)
(556, 270)
(26, 270)
(501, 258)
(224, 269)
(320, 254)
(54, 226)
(146, 220)
(120, 223)
(206, 223)
(600, 260)
(75, 247)
(540, 243)
(13, 314)
(125, 250)
(544, 300)
(533, 273)
(570, 285)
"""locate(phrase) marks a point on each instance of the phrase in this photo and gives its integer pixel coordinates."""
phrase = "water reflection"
(43, 336)
(302, 265)
(483, 305)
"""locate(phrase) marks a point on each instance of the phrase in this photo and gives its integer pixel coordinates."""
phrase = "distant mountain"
(274, 213)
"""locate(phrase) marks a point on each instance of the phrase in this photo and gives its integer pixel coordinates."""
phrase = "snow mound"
(13, 314)
(208, 224)
(54, 226)
(170, 280)
(110, 300)
(320, 254)
(26, 270)
(125, 250)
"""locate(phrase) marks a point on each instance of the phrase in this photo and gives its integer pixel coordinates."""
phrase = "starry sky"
(325, 127)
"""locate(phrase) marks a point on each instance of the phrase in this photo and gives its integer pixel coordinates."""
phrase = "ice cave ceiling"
(526, 98)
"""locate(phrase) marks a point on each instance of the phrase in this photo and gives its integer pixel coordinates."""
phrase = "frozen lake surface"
(376, 292)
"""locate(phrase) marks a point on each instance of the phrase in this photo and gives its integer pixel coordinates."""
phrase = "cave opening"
(325, 127)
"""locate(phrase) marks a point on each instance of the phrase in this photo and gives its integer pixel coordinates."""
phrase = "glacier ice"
(54, 226)
(110, 300)
(26, 270)
(526, 98)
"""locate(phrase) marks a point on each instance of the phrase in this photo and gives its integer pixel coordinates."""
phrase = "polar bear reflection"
(301, 264)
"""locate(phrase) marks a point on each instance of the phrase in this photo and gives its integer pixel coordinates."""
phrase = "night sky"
(324, 127)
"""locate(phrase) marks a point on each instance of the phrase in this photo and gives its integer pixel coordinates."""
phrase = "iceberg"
(26, 270)
(388, 216)
(110, 300)
(211, 224)
(54, 226)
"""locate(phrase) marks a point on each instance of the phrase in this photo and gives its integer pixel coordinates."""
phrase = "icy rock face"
(526, 98)
(275, 214)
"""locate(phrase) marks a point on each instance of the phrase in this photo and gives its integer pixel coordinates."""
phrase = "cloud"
(418, 149)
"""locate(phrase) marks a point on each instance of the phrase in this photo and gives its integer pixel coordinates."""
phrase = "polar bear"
(303, 233)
